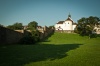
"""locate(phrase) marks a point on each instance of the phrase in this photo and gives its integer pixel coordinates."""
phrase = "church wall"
(60, 26)
(55, 26)
(74, 26)
(68, 25)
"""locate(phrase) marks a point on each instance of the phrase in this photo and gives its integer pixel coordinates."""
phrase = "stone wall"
(45, 32)
(8, 36)
(65, 31)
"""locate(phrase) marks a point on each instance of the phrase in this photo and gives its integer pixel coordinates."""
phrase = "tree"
(34, 34)
(92, 21)
(32, 25)
(86, 25)
(16, 26)
(11, 27)
(1, 25)
(51, 26)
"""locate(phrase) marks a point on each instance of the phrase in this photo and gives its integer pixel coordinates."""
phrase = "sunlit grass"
(61, 49)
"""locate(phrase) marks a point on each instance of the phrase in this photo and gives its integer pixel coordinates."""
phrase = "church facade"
(66, 26)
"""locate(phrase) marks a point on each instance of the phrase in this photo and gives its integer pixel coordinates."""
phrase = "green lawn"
(61, 49)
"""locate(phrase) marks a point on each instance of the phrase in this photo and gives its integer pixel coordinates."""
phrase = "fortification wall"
(8, 36)
(65, 31)
(45, 33)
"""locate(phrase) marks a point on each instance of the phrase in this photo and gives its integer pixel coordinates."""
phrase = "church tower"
(69, 15)
(68, 23)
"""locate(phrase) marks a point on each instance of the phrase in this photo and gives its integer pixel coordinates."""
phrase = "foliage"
(35, 34)
(1, 25)
(15, 26)
(27, 40)
(61, 49)
(34, 37)
(51, 26)
(86, 26)
(31, 38)
(32, 25)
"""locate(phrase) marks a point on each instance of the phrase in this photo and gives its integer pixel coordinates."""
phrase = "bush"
(92, 35)
(35, 34)
(27, 40)
(98, 35)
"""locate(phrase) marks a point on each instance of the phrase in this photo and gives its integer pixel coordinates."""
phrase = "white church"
(66, 26)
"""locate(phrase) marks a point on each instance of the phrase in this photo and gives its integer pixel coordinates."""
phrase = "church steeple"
(69, 15)
(69, 18)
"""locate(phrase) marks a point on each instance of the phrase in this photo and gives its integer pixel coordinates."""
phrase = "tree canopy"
(1, 25)
(86, 25)
(15, 26)
(32, 25)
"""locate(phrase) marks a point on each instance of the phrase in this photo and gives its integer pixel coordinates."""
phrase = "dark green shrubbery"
(31, 38)
(98, 35)
(92, 35)
(28, 40)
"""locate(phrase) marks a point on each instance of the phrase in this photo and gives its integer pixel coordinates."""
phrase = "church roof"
(69, 19)
(60, 22)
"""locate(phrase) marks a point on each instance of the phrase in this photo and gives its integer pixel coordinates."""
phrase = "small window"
(68, 22)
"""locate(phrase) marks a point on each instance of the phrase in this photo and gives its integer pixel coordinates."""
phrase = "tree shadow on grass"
(25, 54)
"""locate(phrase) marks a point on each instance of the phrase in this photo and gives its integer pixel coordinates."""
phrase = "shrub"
(27, 40)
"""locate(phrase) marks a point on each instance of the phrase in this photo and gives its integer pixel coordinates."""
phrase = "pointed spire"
(69, 18)
(69, 15)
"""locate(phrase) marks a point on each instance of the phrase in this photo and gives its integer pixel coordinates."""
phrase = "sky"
(46, 12)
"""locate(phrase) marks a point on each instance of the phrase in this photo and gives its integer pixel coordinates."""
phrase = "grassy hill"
(61, 49)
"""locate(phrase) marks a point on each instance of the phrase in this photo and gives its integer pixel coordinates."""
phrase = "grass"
(61, 49)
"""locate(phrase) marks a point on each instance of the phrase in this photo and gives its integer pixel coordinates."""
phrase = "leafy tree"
(34, 34)
(86, 25)
(51, 26)
(32, 25)
(15, 26)
(11, 27)
(1, 25)
(92, 21)
(18, 26)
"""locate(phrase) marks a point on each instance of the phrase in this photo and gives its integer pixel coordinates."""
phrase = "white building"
(67, 26)
(97, 29)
